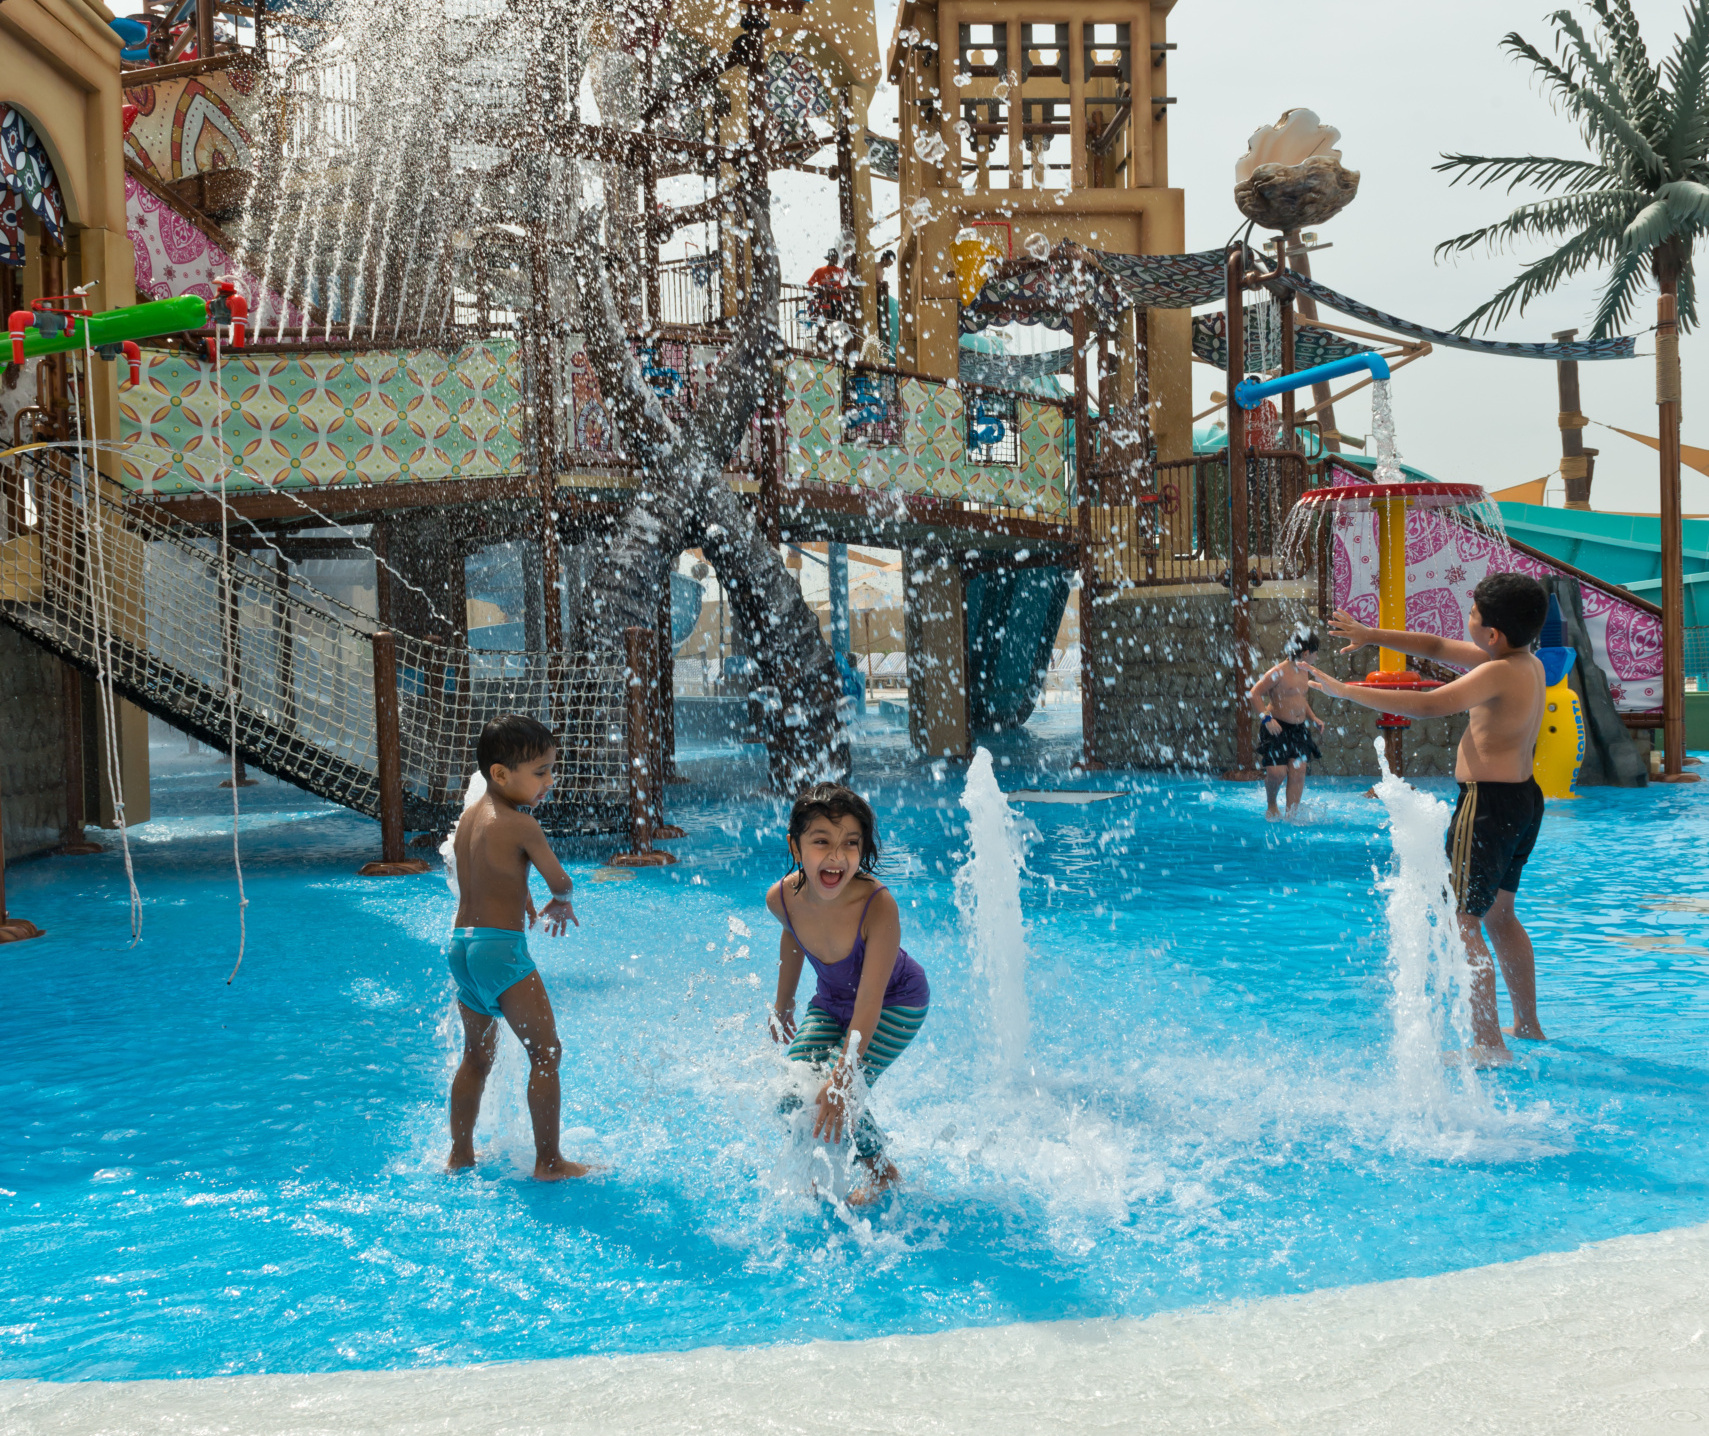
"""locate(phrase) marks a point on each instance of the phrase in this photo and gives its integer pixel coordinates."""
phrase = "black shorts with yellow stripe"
(1494, 829)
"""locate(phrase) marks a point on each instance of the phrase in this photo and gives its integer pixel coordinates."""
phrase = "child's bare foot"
(1273, 815)
(459, 1161)
(884, 1177)
(1530, 1032)
(558, 1169)
(1479, 1057)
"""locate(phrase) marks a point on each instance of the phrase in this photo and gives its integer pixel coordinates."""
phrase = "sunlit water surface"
(206, 1179)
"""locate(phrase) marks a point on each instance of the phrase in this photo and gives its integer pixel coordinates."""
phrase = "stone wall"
(1164, 694)
(32, 746)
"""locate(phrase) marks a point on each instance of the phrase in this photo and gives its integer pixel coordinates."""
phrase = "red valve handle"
(133, 355)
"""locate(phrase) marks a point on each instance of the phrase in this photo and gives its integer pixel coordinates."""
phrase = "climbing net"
(176, 639)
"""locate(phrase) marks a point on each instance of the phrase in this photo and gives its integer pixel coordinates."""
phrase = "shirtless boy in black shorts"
(1282, 701)
(1501, 807)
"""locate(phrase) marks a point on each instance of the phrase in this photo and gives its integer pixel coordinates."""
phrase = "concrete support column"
(935, 621)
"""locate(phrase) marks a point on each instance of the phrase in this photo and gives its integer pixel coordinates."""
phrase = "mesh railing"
(99, 582)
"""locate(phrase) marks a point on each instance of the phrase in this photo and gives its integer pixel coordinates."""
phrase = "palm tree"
(1636, 208)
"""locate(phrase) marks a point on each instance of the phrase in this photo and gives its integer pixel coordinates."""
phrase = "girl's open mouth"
(831, 877)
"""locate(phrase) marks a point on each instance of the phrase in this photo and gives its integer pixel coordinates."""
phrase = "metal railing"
(1178, 528)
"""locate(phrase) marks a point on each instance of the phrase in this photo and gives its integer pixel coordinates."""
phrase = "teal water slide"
(1012, 620)
(1617, 548)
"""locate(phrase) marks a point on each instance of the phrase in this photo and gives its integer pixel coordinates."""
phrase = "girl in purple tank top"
(836, 916)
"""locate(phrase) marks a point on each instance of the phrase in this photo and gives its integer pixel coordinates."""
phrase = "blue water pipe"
(1249, 394)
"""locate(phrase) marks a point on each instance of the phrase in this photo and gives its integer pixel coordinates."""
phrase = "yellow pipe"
(1391, 578)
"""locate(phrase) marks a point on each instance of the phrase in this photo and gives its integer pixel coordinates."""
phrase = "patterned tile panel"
(314, 420)
(932, 458)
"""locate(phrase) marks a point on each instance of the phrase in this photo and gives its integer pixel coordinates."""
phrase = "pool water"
(206, 1179)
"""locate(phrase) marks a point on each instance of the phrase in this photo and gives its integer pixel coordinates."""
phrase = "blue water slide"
(1012, 620)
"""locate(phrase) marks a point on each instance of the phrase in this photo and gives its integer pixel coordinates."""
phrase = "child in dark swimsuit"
(837, 917)
(1282, 701)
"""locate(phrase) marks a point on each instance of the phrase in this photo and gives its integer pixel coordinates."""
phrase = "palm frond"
(1539, 277)
(1687, 299)
(1687, 71)
(1627, 276)
(1638, 79)
(1544, 172)
(1595, 67)
(1606, 211)
(1606, 128)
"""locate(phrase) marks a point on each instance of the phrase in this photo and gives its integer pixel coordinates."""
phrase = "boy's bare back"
(494, 846)
(1503, 719)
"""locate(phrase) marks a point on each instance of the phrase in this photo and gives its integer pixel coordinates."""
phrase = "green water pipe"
(114, 326)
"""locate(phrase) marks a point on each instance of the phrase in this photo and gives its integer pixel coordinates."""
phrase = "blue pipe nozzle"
(1249, 394)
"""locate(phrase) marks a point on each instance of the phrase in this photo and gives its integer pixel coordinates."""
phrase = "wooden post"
(232, 651)
(1238, 535)
(1089, 669)
(1578, 464)
(770, 458)
(287, 646)
(1308, 311)
(389, 763)
(664, 719)
(1673, 556)
(12, 929)
(72, 841)
(639, 648)
(1289, 439)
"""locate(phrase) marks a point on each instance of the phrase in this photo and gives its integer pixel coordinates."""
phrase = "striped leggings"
(819, 1039)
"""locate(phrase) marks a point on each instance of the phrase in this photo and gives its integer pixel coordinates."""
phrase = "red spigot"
(21, 320)
(233, 309)
(133, 356)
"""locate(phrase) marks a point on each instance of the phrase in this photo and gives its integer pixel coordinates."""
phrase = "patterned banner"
(1446, 560)
(1622, 347)
(11, 229)
(174, 255)
(1018, 371)
(1312, 345)
(306, 420)
(26, 170)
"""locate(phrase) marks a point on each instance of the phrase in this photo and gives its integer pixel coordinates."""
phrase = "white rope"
(229, 618)
(101, 620)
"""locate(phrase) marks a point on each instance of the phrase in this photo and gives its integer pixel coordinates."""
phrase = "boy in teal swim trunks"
(494, 846)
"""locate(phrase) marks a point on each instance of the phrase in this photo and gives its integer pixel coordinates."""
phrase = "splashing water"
(1428, 971)
(1382, 429)
(473, 794)
(988, 896)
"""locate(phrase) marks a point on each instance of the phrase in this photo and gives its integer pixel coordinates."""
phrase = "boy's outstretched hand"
(1344, 625)
(557, 915)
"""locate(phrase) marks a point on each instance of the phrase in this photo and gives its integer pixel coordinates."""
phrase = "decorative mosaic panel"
(314, 420)
(932, 458)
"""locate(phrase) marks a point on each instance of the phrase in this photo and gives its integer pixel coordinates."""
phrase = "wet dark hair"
(834, 801)
(1514, 604)
(512, 740)
(1304, 640)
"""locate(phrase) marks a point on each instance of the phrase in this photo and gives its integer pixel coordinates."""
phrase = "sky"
(1403, 84)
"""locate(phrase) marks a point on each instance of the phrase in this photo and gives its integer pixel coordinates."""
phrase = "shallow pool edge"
(1611, 1337)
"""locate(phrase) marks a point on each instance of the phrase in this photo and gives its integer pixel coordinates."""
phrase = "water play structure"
(317, 496)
